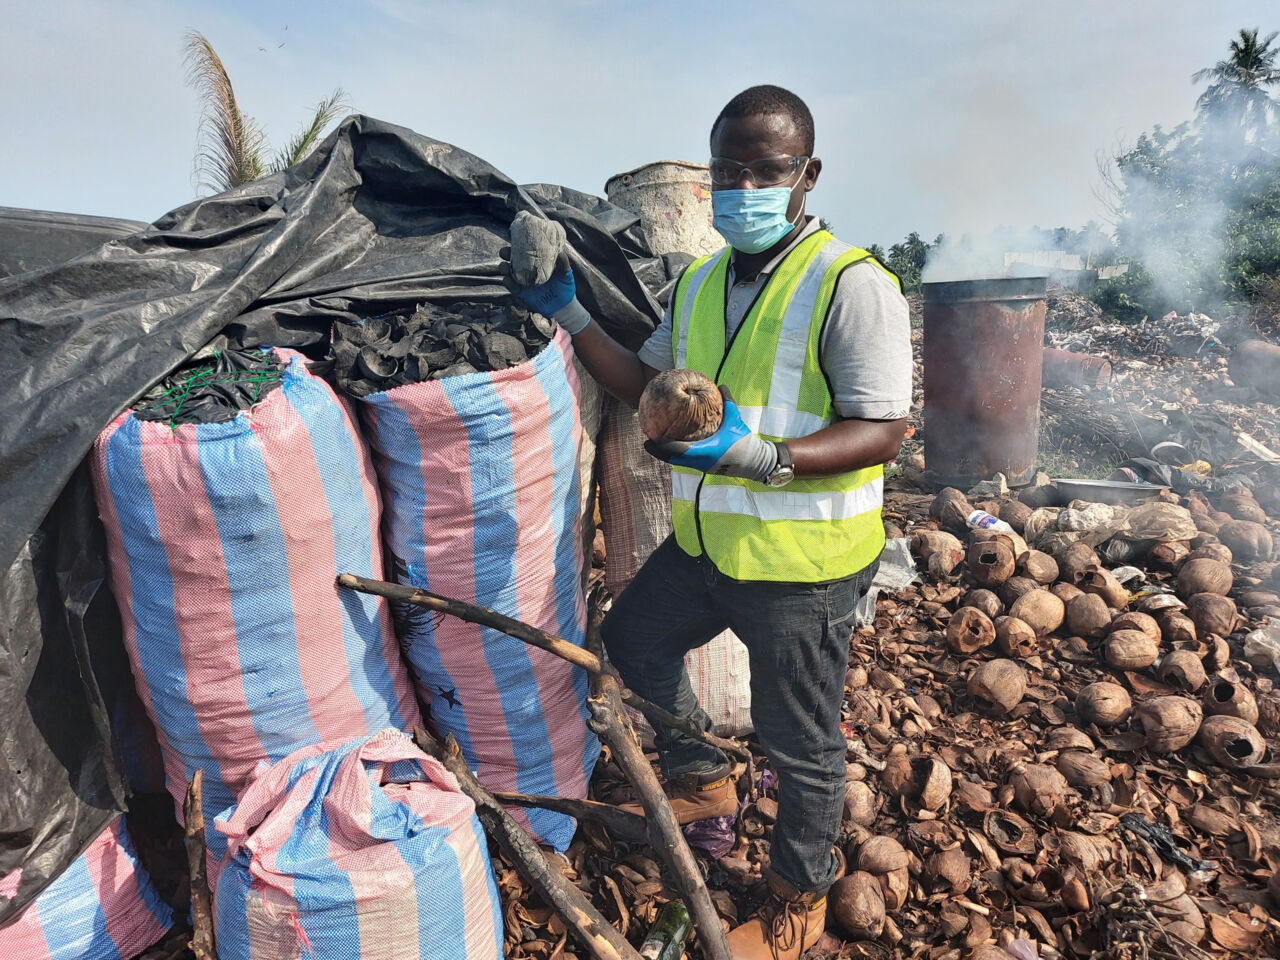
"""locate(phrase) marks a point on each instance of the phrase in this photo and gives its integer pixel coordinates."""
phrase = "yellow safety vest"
(815, 528)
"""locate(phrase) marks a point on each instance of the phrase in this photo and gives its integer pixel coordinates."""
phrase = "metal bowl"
(1106, 491)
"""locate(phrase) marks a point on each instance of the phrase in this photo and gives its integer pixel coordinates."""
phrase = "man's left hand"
(732, 451)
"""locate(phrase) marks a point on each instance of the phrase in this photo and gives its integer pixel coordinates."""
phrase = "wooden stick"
(202, 940)
(544, 641)
(570, 904)
(626, 826)
(610, 722)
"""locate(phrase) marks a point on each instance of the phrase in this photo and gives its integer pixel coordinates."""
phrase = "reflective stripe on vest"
(815, 528)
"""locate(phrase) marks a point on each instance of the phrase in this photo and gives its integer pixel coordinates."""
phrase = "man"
(777, 515)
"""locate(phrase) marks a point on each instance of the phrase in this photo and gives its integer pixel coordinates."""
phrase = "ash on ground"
(435, 341)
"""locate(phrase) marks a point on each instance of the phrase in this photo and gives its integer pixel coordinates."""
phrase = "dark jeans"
(797, 635)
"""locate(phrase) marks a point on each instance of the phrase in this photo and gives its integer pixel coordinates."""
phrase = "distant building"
(1068, 270)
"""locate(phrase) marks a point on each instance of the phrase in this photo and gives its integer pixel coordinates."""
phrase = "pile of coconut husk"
(1072, 757)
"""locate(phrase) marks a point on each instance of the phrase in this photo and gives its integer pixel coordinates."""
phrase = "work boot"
(785, 926)
(698, 796)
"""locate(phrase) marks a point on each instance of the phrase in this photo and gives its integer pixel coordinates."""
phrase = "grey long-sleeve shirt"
(866, 344)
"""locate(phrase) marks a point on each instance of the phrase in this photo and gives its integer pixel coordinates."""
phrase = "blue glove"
(732, 451)
(557, 299)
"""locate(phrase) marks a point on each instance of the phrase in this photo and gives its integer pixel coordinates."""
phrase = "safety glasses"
(768, 172)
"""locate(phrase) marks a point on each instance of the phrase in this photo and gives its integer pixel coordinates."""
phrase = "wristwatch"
(785, 471)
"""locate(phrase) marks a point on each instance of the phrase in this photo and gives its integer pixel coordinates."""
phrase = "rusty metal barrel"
(983, 342)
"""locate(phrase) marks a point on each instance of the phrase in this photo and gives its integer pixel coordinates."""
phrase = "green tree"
(1239, 96)
(232, 147)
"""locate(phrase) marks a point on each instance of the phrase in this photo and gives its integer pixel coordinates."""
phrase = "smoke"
(1176, 195)
(985, 256)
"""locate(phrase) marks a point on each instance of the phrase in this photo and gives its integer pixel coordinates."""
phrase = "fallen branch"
(570, 904)
(202, 939)
(559, 646)
(622, 824)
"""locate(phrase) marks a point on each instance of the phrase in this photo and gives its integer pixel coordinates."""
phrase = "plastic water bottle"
(667, 936)
(981, 520)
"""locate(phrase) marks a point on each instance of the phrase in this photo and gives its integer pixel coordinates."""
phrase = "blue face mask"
(752, 220)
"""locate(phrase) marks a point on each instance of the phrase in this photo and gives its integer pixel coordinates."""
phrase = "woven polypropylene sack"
(102, 907)
(635, 507)
(480, 477)
(366, 852)
(225, 540)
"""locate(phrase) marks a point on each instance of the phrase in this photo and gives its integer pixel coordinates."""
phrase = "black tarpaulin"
(377, 218)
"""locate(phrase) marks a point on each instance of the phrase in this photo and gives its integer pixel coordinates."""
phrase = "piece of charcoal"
(503, 350)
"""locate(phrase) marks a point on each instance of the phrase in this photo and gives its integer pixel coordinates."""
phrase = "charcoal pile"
(433, 342)
(212, 390)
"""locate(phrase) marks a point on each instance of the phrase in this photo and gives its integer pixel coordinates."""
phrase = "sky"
(955, 117)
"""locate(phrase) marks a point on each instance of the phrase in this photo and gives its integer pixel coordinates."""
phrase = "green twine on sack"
(213, 392)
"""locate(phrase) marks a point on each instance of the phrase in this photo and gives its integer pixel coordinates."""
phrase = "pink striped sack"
(367, 852)
(480, 475)
(225, 540)
(635, 509)
(102, 907)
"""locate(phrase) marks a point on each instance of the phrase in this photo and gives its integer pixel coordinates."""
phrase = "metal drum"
(983, 343)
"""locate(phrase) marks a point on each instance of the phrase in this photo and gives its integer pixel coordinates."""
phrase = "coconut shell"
(1176, 627)
(984, 600)
(857, 905)
(1103, 703)
(1242, 506)
(1000, 684)
(1088, 615)
(861, 804)
(1170, 555)
(1182, 670)
(1082, 770)
(927, 541)
(951, 508)
(990, 562)
(1015, 587)
(1232, 742)
(1015, 638)
(1040, 610)
(949, 871)
(1015, 513)
(1133, 620)
(1038, 566)
(895, 778)
(1068, 738)
(1212, 613)
(680, 405)
(1104, 584)
(1212, 551)
(933, 781)
(1014, 541)
(969, 629)
(1217, 653)
(1248, 541)
(1066, 592)
(881, 855)
(1169, 723)
(1223, 698)
(1130, 650)
(1037, 788)
(1203, 576)
(1077, 561)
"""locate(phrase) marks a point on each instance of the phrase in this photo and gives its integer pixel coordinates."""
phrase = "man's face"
(748, 139)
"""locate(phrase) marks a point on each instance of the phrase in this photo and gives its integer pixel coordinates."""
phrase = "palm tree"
(1239, 93)
(232, 147)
